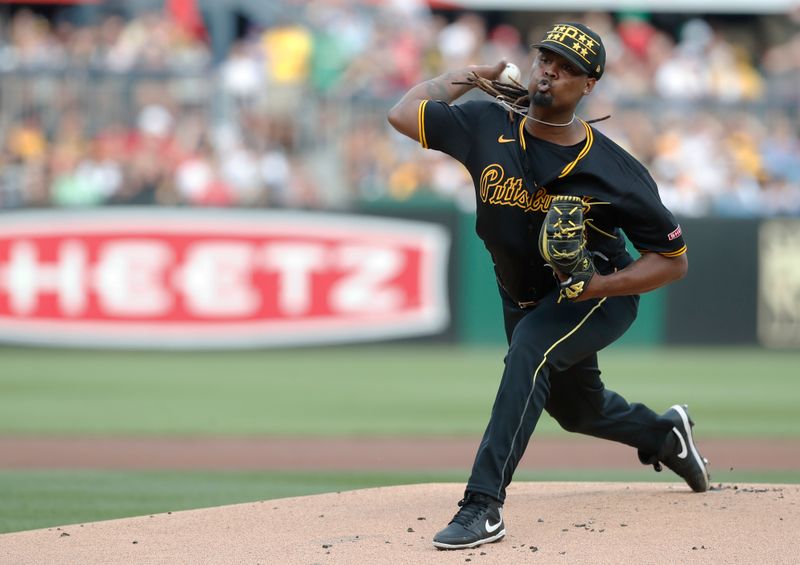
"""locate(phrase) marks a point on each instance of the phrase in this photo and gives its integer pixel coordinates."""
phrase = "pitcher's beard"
(543, 99)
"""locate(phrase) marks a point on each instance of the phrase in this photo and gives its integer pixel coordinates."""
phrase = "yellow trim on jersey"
(676, 253)
(423, 140)
(590, 223)
(586, 146)
(536, 374)
(584, 151)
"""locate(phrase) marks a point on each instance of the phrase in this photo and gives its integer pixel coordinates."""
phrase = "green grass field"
(384, 391)
(364, 391)
(40, 499)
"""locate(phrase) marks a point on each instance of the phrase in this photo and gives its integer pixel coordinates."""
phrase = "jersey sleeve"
(647, 223)
(448, 128)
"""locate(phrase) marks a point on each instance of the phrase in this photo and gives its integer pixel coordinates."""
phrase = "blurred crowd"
(134, 109)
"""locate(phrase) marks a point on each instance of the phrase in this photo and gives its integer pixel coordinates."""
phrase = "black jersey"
(516, 176)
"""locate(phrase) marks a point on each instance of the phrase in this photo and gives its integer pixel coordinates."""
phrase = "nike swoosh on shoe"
(684, 451)
(491, 528)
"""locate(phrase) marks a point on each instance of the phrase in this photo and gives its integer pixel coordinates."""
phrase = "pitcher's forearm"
(403, 116)
(649, 272)
(442, 87)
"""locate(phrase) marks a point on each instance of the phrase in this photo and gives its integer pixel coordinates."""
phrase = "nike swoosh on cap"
(502, 139)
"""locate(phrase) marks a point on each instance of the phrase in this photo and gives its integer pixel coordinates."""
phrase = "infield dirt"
(570, 523)
(388, 453)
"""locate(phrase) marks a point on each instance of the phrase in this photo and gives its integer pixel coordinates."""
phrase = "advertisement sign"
(779, 284)
(179, 278)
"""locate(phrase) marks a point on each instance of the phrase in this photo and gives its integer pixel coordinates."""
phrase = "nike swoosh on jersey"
(502, 139)
(684, 452)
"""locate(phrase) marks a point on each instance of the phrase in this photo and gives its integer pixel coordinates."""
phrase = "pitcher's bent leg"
(546, 341)
(580, 403)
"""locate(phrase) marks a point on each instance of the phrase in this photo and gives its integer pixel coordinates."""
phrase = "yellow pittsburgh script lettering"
(499, 190)
(541, 201)
(504, 194)
(521, 197)
(490, 176)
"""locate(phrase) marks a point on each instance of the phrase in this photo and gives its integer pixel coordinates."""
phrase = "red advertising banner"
(213, 279)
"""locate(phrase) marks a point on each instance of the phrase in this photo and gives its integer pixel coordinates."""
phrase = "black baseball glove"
(563, 245)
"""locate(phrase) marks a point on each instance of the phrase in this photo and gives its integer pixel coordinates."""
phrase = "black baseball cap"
(579, 44)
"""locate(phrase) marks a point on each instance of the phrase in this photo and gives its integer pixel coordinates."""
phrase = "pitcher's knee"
(525, 351)
(526, 364)
(569, 421)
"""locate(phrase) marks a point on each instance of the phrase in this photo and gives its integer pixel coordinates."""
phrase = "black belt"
(523, 304)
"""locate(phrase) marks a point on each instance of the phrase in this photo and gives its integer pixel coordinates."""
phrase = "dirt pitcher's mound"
(546, 522)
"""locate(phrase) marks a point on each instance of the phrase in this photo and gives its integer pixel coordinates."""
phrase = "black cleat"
(680, 453)
(479, 521)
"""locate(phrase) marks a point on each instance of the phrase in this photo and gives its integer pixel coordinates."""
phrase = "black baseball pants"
(551, 364)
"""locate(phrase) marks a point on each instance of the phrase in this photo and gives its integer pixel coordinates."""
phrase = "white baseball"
(510, 74)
